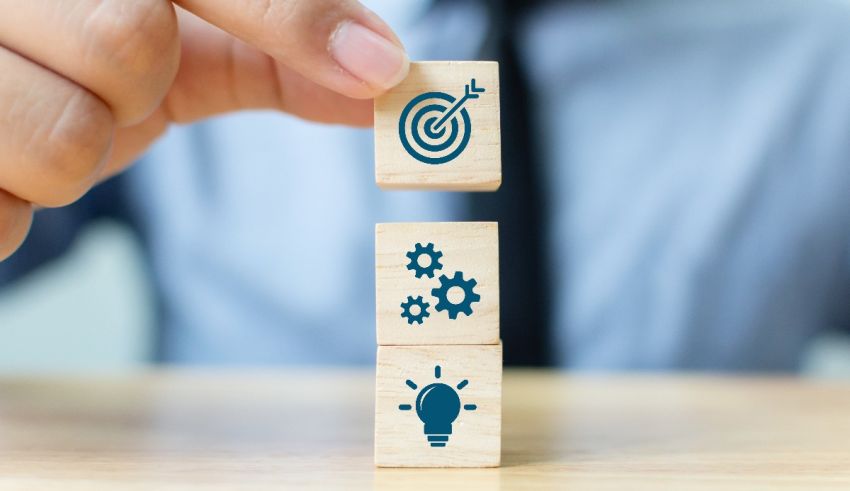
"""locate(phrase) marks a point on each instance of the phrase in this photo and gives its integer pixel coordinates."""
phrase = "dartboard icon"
(434, 127)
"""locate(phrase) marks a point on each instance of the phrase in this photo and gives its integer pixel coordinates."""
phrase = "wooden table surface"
(307, 428)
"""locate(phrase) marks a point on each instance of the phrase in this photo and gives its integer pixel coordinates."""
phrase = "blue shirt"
(697, 161)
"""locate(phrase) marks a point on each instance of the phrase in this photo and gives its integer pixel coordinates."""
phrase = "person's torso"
(696, 165)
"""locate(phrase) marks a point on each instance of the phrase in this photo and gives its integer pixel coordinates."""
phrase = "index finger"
(339, 44)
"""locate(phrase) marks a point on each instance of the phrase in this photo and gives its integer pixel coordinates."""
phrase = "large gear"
(418, 317)
(469, 296)
(432, 266)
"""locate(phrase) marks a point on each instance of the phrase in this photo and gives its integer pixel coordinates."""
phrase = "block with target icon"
(439, 128)
(438, 406)
(437, 283)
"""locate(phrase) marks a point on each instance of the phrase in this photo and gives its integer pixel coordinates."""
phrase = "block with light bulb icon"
(438, 406)
(437, 283)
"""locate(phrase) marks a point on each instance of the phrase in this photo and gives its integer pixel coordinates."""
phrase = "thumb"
(339, 44)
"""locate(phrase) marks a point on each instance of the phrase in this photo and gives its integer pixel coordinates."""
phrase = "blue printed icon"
(438, 406)
(415, 310)
(455, 295)
(434, 127)
(461, 306)
(424, 260)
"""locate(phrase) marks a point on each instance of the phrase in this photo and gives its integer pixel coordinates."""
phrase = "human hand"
(87, 85)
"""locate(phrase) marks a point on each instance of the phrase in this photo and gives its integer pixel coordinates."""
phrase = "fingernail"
(369, 56)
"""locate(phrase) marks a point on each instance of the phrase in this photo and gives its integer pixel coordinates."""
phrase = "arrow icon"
(470, 91)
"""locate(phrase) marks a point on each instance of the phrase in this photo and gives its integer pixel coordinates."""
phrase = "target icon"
(434, 127)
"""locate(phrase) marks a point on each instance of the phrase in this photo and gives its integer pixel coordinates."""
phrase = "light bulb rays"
(438, 406)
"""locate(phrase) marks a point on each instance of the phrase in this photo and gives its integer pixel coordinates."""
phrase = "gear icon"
(433, 265)
(469, 296)
(422, 313)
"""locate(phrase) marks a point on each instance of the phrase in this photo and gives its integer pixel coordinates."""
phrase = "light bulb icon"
(438, 406)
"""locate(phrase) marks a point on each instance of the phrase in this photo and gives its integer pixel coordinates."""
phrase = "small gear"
(420, 316)
(429, 251)
(469, 296)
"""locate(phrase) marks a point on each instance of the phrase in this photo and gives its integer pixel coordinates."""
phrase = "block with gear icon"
(437, 283)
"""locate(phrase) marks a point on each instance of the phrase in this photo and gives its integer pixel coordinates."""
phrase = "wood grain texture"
(478, 167)
(469, 247)
(475, 436)
(312, 429)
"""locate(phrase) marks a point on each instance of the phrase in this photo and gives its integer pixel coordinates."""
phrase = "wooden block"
(439, 128)
(437, 283)
(438, 406)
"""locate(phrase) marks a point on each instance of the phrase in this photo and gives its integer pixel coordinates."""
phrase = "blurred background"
(95, 308)
(92, 311)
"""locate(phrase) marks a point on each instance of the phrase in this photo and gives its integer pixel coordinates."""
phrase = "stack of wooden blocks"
(439, 373)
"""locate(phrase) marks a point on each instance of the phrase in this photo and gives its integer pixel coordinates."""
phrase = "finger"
(15, 221)
(338, 44)
(130, 142)
(55, 135)
(219, 73)
(125, 51)
(299, 97)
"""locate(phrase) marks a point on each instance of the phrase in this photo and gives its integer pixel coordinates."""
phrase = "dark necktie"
(519, 205)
